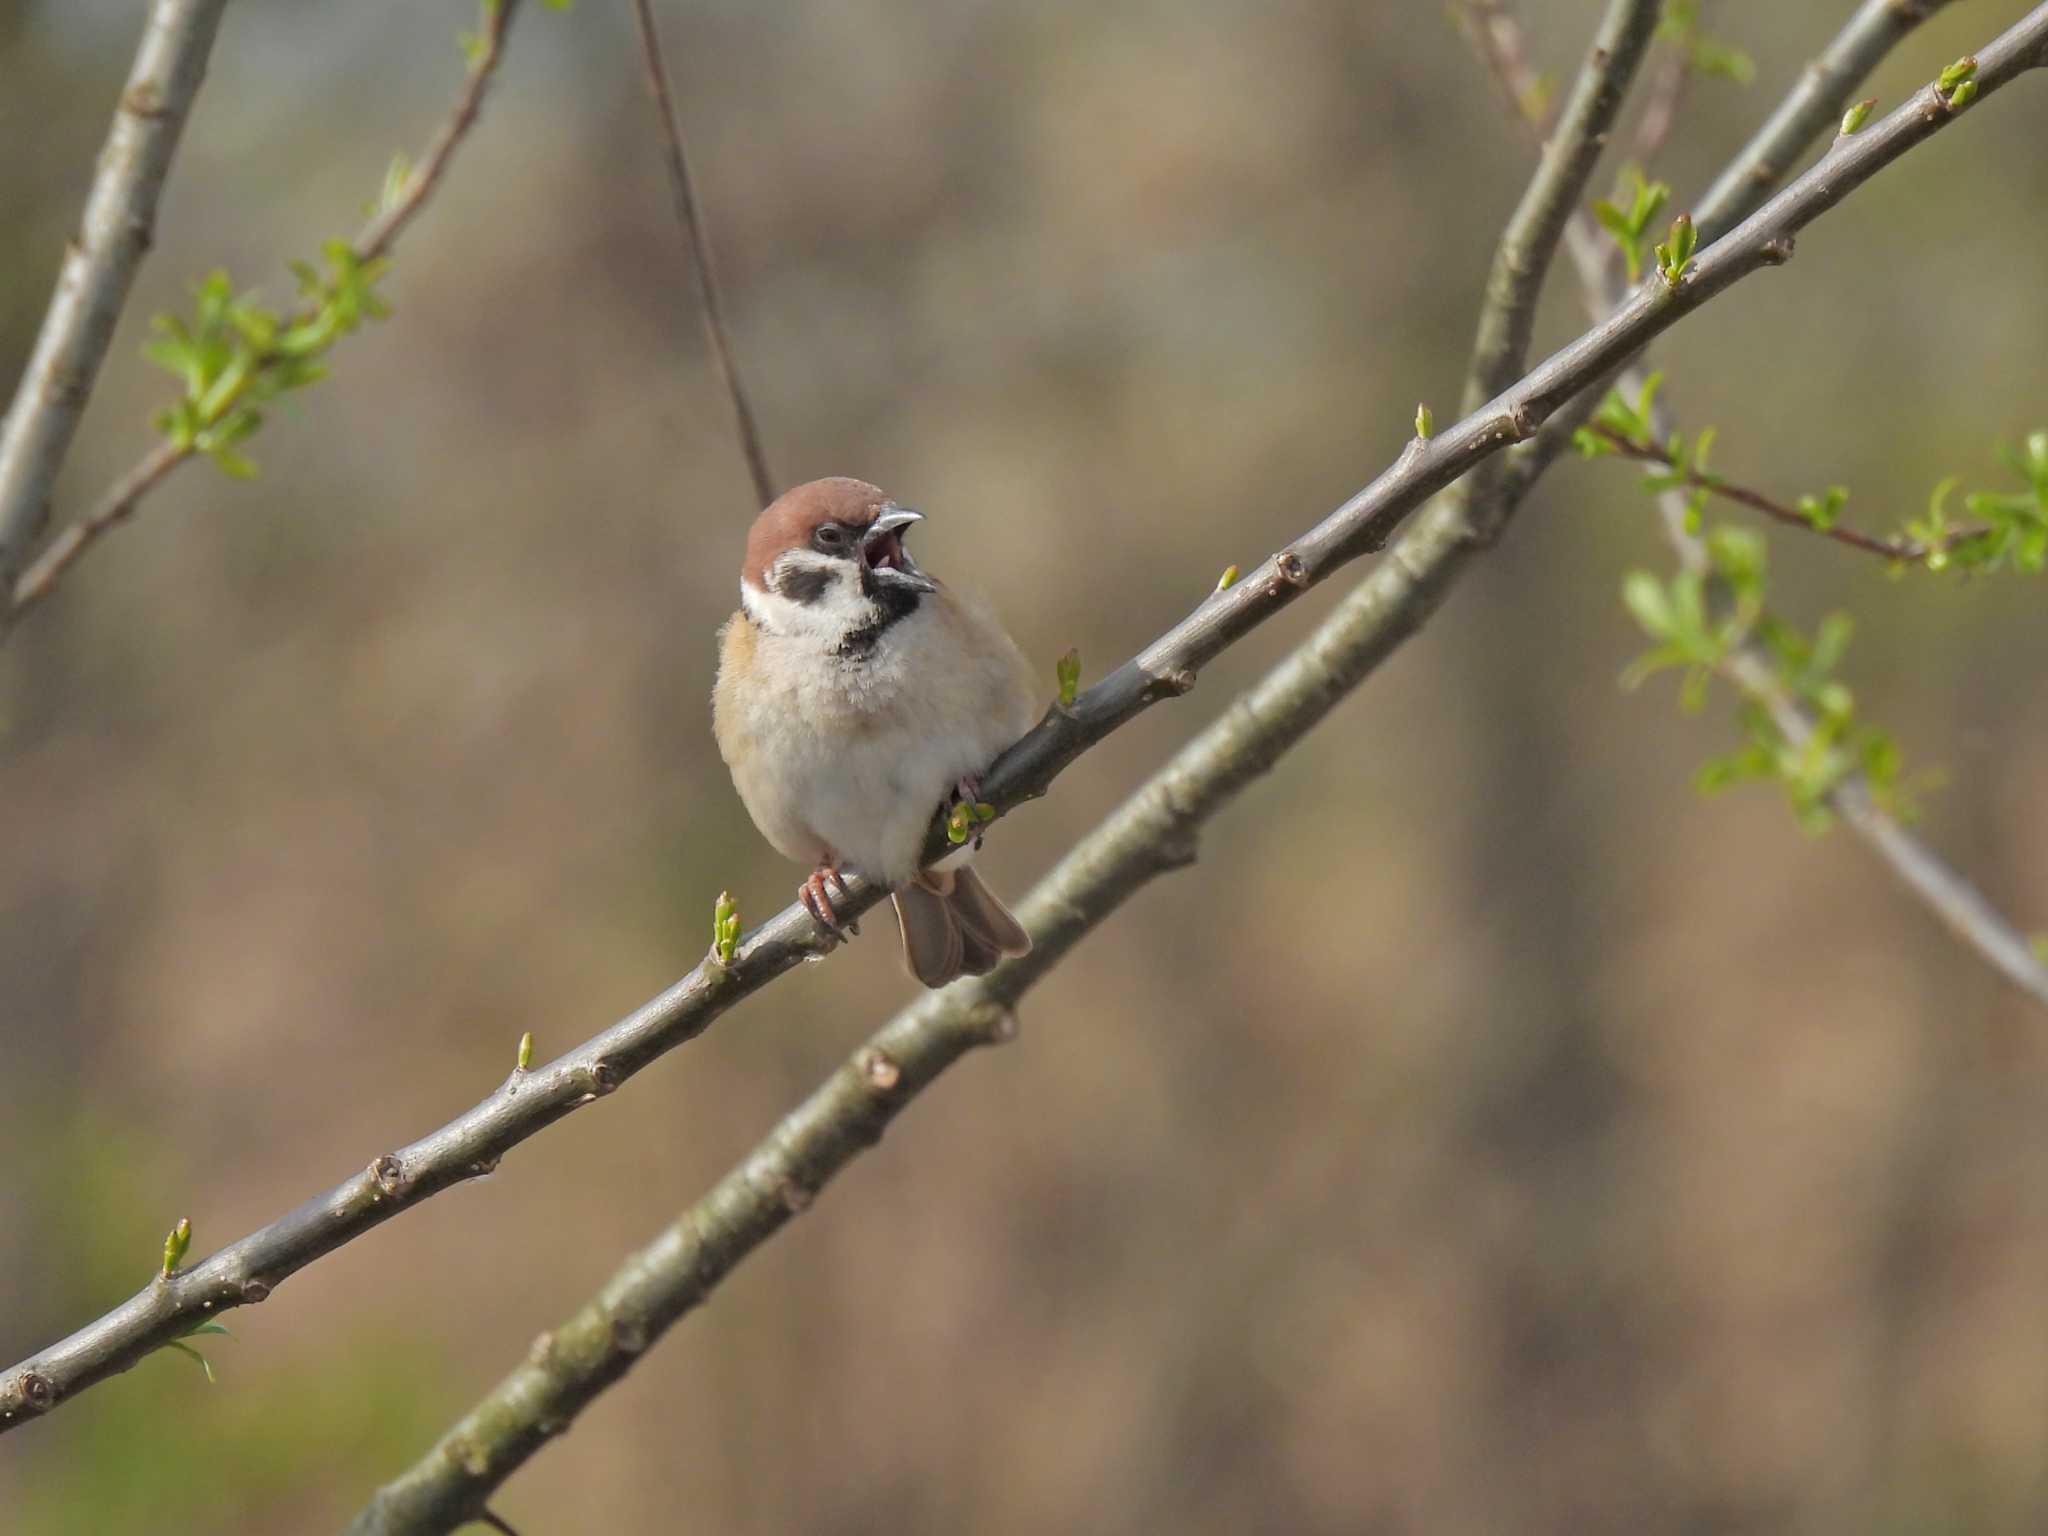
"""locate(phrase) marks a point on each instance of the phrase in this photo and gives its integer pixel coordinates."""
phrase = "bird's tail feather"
(954, 925)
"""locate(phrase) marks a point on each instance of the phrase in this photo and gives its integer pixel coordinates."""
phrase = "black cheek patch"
(803, 583)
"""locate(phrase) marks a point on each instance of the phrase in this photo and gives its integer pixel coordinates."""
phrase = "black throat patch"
(897, 604)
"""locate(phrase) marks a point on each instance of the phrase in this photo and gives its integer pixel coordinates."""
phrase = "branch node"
(604, 1077)
(37, 1392)
(389, 1172)
(795, 1198)
(880, 1070)
(629, 1334)
(1288, 566)
(255, 1290)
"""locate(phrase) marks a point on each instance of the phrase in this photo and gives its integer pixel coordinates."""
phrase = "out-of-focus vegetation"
(1490, 1134)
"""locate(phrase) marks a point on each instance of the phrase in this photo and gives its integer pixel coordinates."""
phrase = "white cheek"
(840, 608)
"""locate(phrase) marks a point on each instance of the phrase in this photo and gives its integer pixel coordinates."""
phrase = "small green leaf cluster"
(964, 818)
(235, 355)
(1822, 512)
(2014, 524)
(1622, 417)
(1631, 230)
(1702, 636)
(1681, 25)
(1958, 83)
(1674, 256)
(725, 928)
(1692, 633)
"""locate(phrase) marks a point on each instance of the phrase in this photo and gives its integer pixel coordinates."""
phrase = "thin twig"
(1663, 101)
(372, 242)
(1420, 569)
(1814, 106)
(1528, 245)
(710, 305)
(1896, 549)
(99, 268)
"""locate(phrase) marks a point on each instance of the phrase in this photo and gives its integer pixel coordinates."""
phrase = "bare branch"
(99, 268)
(1507, 317)
(710, 305)
(1418, 571)
(1812, 108)
(375, 240)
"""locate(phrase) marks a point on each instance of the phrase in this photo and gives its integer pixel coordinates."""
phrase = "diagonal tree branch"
(688, 213)
(1814, 106)
(1421, 566)
(372, 242)
(1545, 216)
(99, 268)
(1154, 832)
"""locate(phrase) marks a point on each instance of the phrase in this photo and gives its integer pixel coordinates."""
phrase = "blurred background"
(1489, 1134)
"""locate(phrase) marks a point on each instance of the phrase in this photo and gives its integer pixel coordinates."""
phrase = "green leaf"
(1643, 595)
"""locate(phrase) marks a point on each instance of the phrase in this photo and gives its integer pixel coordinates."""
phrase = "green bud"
(526, 1050)
(1675, 255)
(1425, 422)
(983, 811)
(1068, 671)
(959, 822)
(1962, 96)
(725, 928)
(1227, 579)
(1963, 69)
(176, 1244)
(1858, 115)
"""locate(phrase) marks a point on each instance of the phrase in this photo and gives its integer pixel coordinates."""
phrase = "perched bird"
(856, 694)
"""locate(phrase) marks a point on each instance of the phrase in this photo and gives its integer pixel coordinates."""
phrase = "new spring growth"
(1959, 83)
(725, 928)
(1228, 579)
(1631, 229)
(1425, 422)
(1857, 115)
(1674, 256)
(176, 1245)
(1068, 671)
(526, 1051)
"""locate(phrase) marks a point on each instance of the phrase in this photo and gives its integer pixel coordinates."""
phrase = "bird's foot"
(816, 896)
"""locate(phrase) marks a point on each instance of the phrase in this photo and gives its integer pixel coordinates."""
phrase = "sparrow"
(855, 695)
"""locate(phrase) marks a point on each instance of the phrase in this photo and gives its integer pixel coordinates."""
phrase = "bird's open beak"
(882, 550)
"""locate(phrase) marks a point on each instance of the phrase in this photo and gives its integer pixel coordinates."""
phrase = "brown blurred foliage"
(1489, 1135)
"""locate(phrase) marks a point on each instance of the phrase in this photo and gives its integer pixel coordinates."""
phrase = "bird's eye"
(830, 537)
